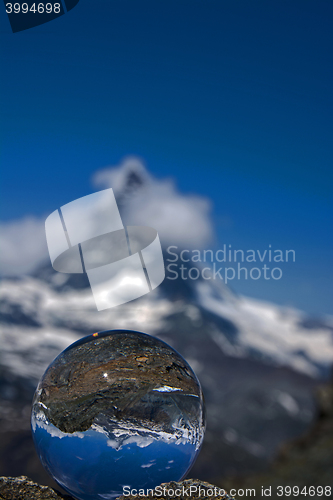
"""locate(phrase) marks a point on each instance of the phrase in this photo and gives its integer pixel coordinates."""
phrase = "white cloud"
(141, 441)
(22, 245)
(182, 220)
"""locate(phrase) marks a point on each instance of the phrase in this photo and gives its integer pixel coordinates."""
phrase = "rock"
(22, 488)
(187, 489)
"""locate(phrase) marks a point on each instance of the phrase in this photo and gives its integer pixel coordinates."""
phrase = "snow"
(52, 320)
(271, 330)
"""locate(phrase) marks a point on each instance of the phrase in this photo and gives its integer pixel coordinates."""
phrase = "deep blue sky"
(231, 98)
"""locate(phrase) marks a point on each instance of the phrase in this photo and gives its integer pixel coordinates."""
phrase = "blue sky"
(231, 99)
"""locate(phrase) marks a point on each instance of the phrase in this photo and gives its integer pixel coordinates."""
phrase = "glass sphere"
(115, 409)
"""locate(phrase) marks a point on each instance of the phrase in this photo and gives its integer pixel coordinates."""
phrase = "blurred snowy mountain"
(39, 319)
(257, 362)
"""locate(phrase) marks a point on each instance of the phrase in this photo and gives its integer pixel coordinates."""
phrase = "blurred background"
(212, 123)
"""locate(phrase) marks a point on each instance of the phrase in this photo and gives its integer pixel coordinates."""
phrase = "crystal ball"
(117, 409)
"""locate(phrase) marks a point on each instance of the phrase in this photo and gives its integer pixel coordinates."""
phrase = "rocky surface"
(22, 488)
(189, 488)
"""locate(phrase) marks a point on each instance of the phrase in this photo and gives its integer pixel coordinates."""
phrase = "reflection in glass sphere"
(117, 408)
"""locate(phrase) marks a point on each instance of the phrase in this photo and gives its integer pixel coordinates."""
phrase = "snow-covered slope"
(39, 321)
(280, 335)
